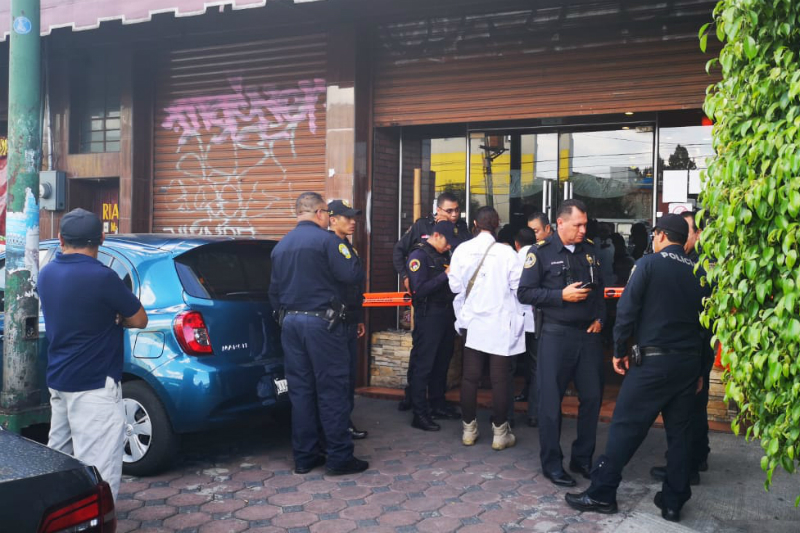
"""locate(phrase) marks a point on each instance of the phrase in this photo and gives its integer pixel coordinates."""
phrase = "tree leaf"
(750, 47)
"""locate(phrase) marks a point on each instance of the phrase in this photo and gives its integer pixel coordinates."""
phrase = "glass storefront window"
(683, 149)
(448, 163)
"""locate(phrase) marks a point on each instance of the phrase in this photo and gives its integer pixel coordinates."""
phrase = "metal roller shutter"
(239, 133)
(537, 63)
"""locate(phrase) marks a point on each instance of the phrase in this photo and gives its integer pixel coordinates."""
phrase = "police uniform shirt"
(549, 267)
(354, 297)
(418, 233)
(426, 275)
(309, 267)
(661, 304)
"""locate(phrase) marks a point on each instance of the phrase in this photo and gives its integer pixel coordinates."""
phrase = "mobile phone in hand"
(591, 285)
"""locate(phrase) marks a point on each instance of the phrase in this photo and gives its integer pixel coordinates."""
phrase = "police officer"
(434, 330)
(447, 208)
(561, 276)
(699, 447)
(310, 270)
(659, 307)
(343, 224)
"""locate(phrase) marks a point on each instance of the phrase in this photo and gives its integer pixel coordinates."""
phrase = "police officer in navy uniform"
(311, 269)
(659, 308)
(343, 224)
(561, 276)
(447, 208)
(434, 328)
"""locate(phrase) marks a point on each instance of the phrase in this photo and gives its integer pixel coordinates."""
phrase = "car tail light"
(192, 333)
(92, 514)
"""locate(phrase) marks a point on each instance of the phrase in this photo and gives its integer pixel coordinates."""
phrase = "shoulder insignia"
(344, 251)
(590, 241)
(455, 230)
(346, 203)
(413, 265)
(541, 243)
(590, 259)
(530, 260)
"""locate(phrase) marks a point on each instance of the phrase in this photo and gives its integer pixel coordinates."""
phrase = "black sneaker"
(305, 469)
(353, 466)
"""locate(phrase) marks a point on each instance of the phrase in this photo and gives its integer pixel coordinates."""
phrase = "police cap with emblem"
(674, 223)
(448, 230)
(342, 208)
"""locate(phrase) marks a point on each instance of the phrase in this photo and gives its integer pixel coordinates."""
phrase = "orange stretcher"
(400, 299)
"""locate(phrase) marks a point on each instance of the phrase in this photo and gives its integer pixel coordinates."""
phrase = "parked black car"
(45, 491)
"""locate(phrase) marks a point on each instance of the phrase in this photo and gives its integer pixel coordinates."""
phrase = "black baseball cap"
(81, 225)
(448, 230)
(342, 207)
(674, 223)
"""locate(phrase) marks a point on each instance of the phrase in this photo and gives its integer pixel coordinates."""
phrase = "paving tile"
(290, 520)
(317, 486)
(498, 485)
(290, 498)
(409, 486)
(351, 493)
(362, 512)
(325, 506)
(125, 506)
(480, 497)
(125, 525)
(258, 512)
(438, 524)
(222, 506)
(153, 512)
(461, 510)
(254, 474)
(131, 487)
(399, 518)
(224, 526)
(184, 499)
(423, 504)
(387, 498)
(338, 525)
(185, 521)
(482, 528)
(442, 492)
(190, 481)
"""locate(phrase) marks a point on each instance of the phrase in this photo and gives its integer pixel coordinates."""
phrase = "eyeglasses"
(451, 210)
(324, 211)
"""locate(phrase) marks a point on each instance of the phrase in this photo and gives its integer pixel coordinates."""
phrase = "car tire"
(148, 447)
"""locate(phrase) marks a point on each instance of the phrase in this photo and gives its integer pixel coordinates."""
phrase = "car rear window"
(237, 270)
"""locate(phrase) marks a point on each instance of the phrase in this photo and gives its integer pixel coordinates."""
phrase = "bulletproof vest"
(438, 265)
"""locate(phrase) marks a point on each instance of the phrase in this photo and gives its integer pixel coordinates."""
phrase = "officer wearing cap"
(311, 268)
(562, 278)
(433, 332)
(86, 306)
(343, 225)
(659, 308)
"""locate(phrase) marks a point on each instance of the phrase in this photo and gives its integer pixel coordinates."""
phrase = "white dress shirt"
(492, 315)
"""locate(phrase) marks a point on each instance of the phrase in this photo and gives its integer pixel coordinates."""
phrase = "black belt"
(652, 351)
(318, 314)
(579, 324)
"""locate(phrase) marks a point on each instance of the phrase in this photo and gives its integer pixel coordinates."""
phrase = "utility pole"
(21, 396)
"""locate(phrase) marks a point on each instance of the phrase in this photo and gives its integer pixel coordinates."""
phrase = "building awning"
(88, 14)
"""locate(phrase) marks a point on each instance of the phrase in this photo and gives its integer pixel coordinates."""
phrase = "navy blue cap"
(342, 207)
(81, 225)
(674, 223)
(448, 230)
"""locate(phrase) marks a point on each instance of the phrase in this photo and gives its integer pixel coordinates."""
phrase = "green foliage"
(751, 207)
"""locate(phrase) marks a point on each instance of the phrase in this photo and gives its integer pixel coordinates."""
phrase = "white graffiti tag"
(248, 123)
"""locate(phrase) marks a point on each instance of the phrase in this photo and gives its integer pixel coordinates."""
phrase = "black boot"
(425, 423)
(356, 434)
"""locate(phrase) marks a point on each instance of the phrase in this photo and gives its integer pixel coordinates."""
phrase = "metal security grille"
(239, 133)
(546, 61)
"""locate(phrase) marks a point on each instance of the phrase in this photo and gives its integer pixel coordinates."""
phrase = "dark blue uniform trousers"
(568, 353)
(699, 446)
(352, 348)
(430, 357)
(317, 364)
(665, 384)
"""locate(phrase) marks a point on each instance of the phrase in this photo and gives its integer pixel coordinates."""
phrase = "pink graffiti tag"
(249, 118)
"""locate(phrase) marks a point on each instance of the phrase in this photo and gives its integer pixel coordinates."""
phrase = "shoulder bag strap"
(475, 275)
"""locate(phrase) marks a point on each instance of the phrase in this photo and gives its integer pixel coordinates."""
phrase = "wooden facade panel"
(525, 65)
(239, 132)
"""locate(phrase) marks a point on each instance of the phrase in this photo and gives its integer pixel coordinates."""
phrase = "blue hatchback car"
(211, 352)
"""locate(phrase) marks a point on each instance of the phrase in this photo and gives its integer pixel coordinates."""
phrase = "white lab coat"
(530, 325)
(491, 314)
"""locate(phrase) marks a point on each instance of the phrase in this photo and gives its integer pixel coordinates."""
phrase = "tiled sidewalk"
(241, 480)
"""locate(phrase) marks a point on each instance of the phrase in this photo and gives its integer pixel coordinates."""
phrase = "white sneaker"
(503, 438)
(470, 434)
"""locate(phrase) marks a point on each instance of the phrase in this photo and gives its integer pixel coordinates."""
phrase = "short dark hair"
(541, 217)
(672, 236)
(487, 219)
(566, 207)
(307, 202)
(690, 214)
(446, 197)
(525, 236)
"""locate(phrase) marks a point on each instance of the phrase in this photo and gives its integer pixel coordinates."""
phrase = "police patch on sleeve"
(530, 260)
(344, 251)
(413, 265)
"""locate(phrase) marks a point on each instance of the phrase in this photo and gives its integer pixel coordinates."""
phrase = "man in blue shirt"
(86, 306)
(311, 269)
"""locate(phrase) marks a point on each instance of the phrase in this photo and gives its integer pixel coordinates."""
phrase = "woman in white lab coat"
(493, 320)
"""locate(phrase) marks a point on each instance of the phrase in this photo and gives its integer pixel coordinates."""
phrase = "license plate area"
(281, 386)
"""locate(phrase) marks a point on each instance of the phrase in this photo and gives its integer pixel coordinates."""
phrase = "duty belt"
(318, 314)
(652, 351)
